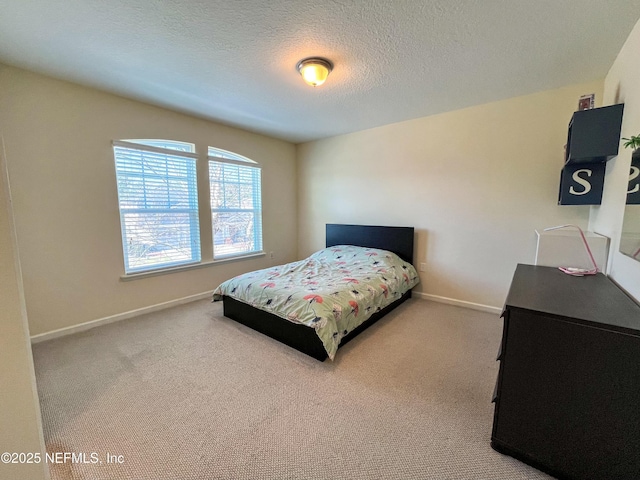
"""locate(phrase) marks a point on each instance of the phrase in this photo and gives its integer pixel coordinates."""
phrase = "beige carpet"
(188, 394)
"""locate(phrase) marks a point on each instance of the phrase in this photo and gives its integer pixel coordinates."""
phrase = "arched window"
(158, 200)
(236, 204)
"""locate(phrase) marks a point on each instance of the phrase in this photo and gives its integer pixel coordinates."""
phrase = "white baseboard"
(459, 303)
(61, 332)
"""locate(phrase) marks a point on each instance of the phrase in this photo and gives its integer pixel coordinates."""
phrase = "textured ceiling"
(234, 61)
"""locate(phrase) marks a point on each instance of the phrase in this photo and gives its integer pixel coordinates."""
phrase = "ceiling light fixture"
(314, 70)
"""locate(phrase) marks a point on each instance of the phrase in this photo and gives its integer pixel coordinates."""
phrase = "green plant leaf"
(632, 142)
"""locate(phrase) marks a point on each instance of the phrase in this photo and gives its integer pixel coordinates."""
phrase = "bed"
(359, 251)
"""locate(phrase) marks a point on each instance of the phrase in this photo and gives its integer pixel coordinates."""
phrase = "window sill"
(164, 271)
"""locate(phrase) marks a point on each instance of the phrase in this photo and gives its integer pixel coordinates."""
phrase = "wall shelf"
(594, 135)
(593, 138)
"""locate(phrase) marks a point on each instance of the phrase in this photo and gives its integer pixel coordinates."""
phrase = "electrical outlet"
(271, 255)
(423, 267)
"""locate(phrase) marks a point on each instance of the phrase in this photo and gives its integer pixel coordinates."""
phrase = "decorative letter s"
(635, 172)
(578, 179)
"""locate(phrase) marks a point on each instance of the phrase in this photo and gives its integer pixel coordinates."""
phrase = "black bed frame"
(398, 240)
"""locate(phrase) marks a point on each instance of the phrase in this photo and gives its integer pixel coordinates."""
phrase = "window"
(236, 204)
(158, 199)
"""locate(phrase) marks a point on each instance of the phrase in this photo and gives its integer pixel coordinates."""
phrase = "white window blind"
(236, 204)
(157, 193)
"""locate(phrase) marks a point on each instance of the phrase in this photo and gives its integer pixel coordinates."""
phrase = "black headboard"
(398, 240)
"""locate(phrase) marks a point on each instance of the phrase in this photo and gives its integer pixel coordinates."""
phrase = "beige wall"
(475, 183)
(61, 169)
(622, 85)
(20, 429)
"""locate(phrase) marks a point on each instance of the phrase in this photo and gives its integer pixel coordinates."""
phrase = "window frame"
(193, 213)
(213, 154)
(224, 157)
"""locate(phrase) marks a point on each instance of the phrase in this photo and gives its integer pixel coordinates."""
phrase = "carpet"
(186, 393)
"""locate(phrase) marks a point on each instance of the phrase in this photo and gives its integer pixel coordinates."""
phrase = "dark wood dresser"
(567, 398)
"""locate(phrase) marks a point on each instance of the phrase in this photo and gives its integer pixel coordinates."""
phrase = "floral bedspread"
(333, 291)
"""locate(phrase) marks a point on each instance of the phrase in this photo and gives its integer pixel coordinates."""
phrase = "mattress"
(333, 291)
